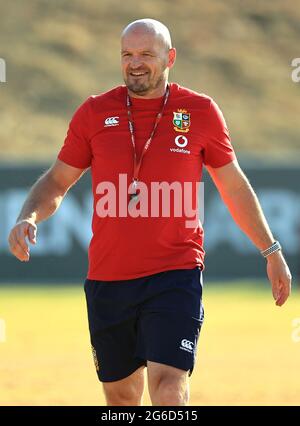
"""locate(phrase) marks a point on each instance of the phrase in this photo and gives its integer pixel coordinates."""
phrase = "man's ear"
(172, 57)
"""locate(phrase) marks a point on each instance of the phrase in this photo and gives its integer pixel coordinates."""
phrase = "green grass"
(245, 355)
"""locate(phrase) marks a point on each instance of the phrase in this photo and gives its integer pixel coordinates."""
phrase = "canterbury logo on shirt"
(111, 121)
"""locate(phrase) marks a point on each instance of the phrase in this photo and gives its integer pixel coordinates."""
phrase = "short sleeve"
(218, 149)
(76, 150)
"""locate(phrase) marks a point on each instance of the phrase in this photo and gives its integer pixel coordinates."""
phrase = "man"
(144, 284)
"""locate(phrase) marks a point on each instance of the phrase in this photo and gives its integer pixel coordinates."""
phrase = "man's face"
(144, 59)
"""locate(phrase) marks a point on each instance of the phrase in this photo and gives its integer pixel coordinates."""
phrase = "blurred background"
(240, 53)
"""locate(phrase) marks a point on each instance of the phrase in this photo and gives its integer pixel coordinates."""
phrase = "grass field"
(246, 353)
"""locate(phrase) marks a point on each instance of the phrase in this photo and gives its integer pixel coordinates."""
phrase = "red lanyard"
(137, 164)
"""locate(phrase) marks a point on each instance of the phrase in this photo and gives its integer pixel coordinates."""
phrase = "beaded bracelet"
(272, 249)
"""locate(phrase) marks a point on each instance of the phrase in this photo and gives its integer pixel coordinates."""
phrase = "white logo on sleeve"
(187, 345)
(111, 121)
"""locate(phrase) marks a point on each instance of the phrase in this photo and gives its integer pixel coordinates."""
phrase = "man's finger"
(20, 239)
(284, 292)
(32, 234)
(16, 249)
(275, 289)
(22, 246)
(281, 300)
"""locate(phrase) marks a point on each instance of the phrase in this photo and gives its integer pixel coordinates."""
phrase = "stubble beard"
(142, 89)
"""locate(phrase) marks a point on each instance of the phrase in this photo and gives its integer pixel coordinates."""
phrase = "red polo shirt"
(192, 132)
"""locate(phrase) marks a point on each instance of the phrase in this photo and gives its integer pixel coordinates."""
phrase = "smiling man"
(147, 55)
(144, 283)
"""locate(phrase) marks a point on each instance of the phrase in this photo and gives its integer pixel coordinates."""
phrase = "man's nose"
(135, 62)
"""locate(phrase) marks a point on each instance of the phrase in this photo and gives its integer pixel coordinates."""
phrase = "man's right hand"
(17, 239)
(43, 200)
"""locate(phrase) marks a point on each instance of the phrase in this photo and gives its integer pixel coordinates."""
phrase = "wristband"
(272, 249)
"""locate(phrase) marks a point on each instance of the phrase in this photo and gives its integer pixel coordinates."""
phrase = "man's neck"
(156, 93)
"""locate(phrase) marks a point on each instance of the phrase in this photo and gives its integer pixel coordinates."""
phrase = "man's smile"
(138, 73)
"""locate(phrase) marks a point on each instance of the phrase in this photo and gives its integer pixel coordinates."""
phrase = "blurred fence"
(61, 251)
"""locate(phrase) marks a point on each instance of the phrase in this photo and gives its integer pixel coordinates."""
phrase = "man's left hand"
(280, 277)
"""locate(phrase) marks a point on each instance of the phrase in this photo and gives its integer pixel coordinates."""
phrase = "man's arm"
(43, 200)
(243, 204)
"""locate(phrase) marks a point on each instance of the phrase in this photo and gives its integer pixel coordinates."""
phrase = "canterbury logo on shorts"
(187, 345)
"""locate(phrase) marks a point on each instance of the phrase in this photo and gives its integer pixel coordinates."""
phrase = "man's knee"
(116, 396)
(128, 391)
(167, 385)
(172, 392)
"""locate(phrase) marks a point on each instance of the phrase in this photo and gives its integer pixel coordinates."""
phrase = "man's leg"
(128, 391)
(167, 385)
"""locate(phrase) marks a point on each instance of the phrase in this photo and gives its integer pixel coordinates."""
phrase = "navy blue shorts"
(155, 318)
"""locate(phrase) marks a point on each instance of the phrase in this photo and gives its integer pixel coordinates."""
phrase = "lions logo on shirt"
(181, 120)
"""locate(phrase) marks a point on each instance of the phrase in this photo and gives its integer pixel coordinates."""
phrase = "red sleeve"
(76, 150)
(218, 150)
